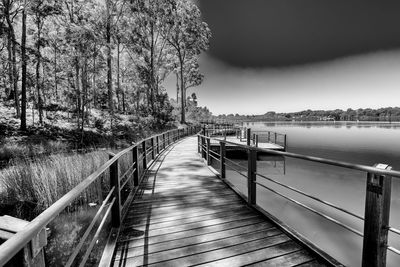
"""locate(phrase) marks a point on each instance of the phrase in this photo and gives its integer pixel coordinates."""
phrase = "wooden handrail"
(338, 163)
(13, 245)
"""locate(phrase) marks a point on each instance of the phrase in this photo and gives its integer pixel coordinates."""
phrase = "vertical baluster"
(248, 136)
(144, 155)
(198, 144)
(222, 153)
(251, 176)
(208, 152)
(114, 182)
(153, 149)
(136, 166)
(376, 218)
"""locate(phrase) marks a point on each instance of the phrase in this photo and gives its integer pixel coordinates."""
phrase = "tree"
(9, 10)
(155, 60)
(23, 63)
(189, 36)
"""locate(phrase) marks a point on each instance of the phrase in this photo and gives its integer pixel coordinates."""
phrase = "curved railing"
(377, 204)
(139, 155)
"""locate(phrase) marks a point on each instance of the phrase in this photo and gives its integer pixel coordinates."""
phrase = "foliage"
(367, 114)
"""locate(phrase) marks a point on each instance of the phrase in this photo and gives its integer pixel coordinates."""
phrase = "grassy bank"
(32, 186)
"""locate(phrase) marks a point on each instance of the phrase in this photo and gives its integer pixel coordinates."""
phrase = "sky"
(290, 55)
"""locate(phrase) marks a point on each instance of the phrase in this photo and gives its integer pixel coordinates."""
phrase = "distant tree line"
(367, 114)
(113, 55)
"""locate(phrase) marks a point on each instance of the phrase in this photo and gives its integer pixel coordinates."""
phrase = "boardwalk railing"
(256, 137)
(377, 203)
(112, 207)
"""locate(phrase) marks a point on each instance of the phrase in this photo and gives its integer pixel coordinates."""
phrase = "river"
(360, 143)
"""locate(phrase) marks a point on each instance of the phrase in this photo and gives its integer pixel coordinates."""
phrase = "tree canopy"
(114, 55)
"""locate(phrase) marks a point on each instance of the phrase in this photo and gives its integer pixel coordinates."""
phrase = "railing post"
(251, 176)
(144, 155)
(222, 153)
(208, 152)
(285, 142)
(248, 136)
(203, 152)
(275, 138)
(158, 144)
(163, 140)
(376, 218)
(256, 136)
(114, 182)
(136, 166)
(269, 137)
(153, 150)
(198, 144)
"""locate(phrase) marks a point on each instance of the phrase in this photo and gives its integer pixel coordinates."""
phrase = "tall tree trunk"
(84, 96)
(177, 88)
(13, 68)
(23, 61)
(109, 66)
(183, 98)
(10, 91)
(118, 81)
(94, 79)
(123, 97)
(152, 81)
(78, 91)
(55, 72)
(38, 61)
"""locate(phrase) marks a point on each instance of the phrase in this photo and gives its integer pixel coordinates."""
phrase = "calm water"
(362, 143)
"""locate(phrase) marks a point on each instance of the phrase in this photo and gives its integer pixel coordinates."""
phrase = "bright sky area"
(363, 81)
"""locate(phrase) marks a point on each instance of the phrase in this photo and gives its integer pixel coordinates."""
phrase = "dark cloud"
(260, 33)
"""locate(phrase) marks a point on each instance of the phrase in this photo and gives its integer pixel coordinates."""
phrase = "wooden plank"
(178, 204)
(158, 225)
(181, 198)
(181, 217)
(167, 197)
(140, 253)
(211, 257)
(11, 224)
(186, 227)
(166, 212)
(313, 263)
(137, 239)
(291, 259)
(188, 241)
(258, 254)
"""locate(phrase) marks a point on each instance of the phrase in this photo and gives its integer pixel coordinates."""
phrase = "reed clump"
(40, 182)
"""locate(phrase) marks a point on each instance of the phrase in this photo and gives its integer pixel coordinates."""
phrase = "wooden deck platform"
(236, 140)
(185, 216)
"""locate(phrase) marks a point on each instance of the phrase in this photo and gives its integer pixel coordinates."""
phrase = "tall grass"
(43, 181)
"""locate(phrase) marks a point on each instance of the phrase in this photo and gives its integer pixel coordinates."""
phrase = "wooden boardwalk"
(184, 215)
(236, 140)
